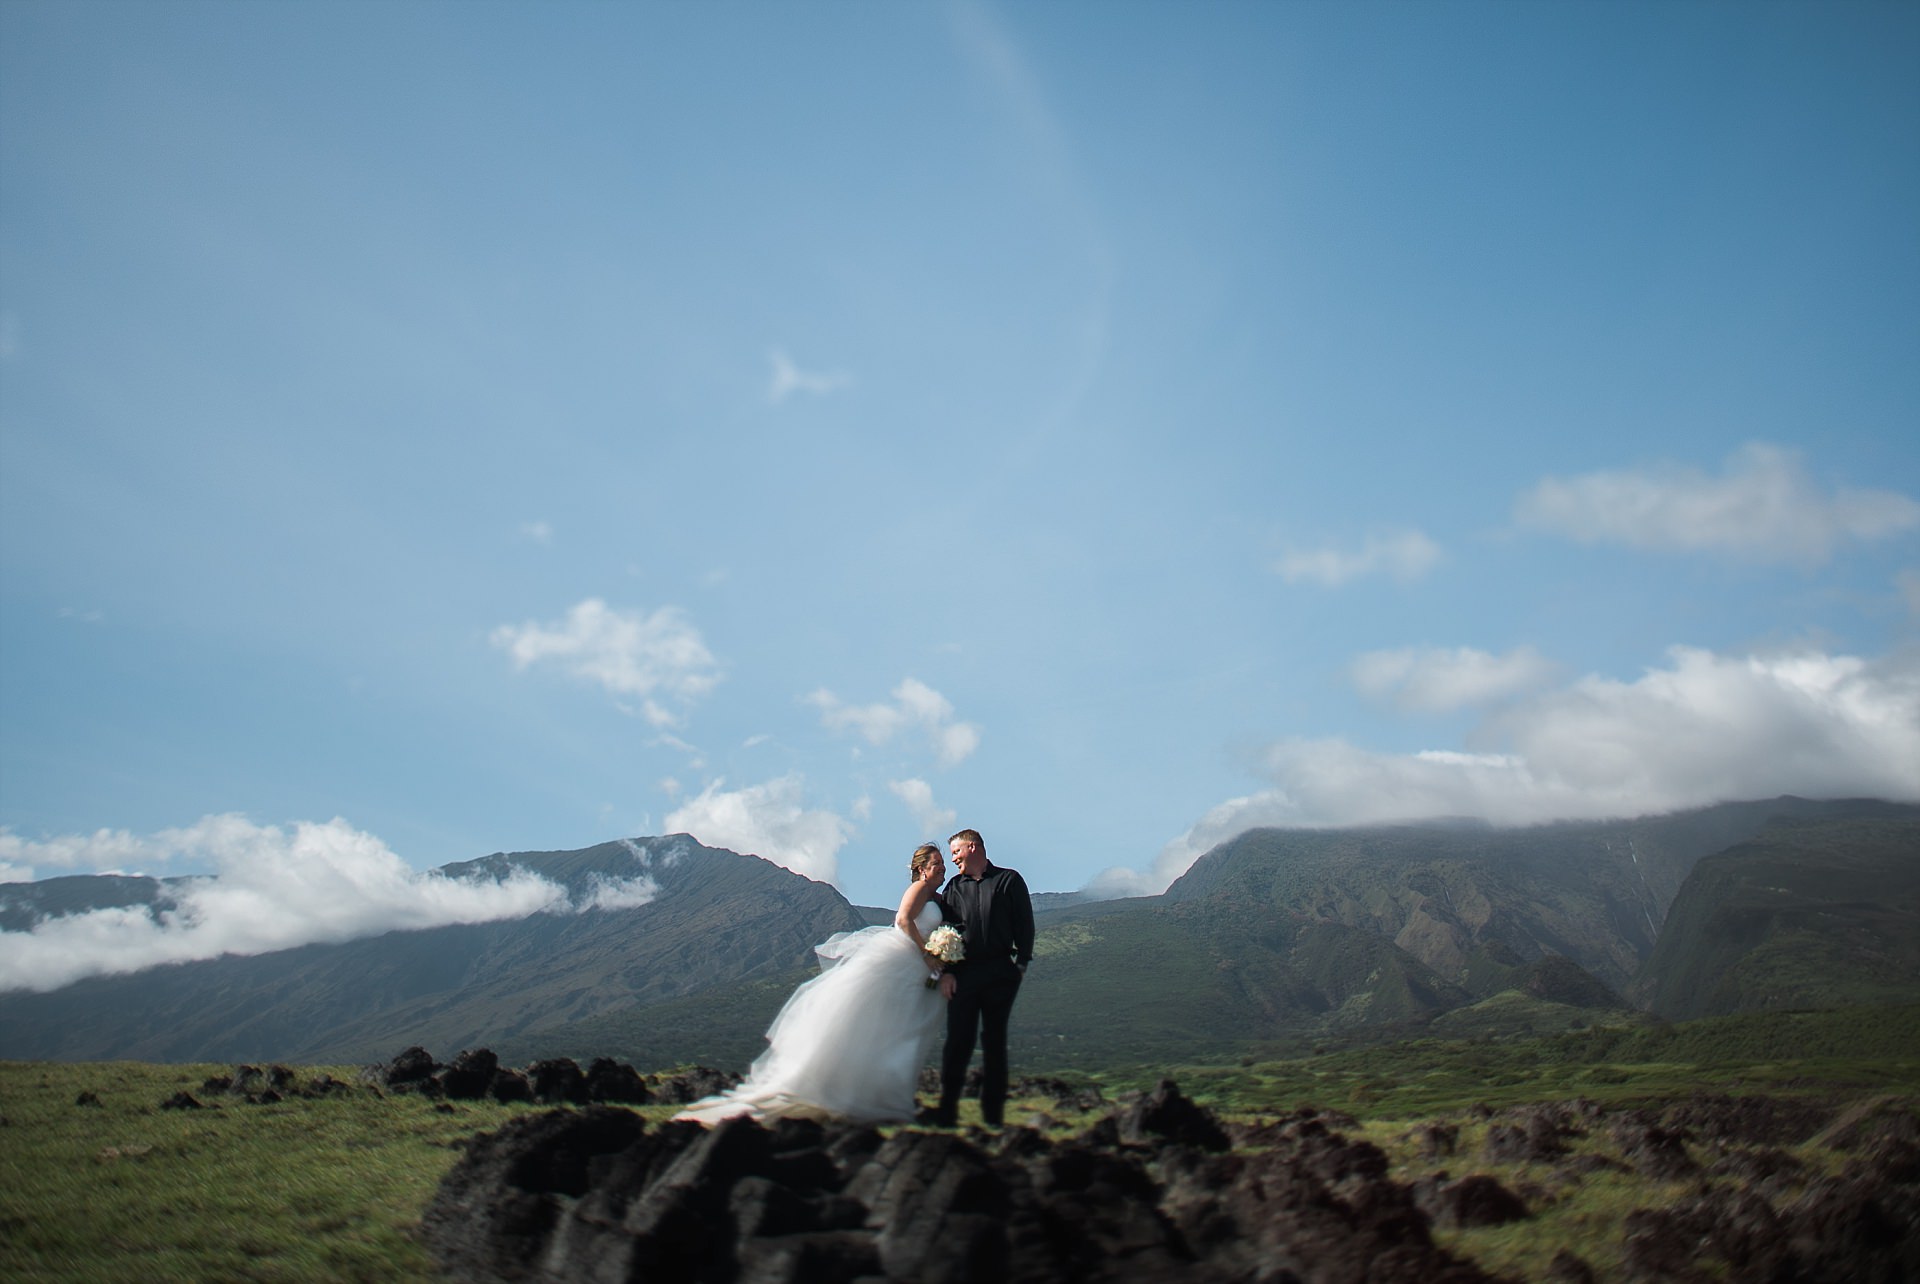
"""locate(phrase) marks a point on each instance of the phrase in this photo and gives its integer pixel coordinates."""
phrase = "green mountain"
(1806, 914)
(719, 919)
(1277, 941)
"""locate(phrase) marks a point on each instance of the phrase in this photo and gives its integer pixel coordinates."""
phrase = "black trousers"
(978, 1012)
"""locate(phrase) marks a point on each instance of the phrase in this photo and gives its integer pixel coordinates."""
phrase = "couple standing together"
(850, 1042)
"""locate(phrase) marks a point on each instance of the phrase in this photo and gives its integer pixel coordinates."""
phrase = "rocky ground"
(1159, 1188)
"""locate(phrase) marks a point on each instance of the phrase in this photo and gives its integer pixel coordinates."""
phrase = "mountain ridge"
(1276, 938)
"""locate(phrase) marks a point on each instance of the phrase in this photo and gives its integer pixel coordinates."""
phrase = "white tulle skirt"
(850, 1042)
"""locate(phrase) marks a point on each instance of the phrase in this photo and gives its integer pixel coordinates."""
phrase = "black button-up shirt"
(994, 914)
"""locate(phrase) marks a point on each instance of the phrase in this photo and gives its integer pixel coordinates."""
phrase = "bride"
(850, 1042)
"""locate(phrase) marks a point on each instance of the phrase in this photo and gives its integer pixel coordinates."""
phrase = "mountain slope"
(718, 919)
(1276, 939)
(1474, 903)
(1808, 913)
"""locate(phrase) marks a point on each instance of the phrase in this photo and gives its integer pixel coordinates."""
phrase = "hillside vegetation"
(1273, 944)
(1804, 914)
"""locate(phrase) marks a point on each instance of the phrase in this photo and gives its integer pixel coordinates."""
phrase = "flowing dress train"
(849, 1043)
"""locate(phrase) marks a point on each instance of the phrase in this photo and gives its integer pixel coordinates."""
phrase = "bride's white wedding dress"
(850, 1042)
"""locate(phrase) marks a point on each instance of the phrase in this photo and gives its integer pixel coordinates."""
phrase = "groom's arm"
(1021, 905)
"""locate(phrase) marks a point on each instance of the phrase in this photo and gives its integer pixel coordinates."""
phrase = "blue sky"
(437, 429)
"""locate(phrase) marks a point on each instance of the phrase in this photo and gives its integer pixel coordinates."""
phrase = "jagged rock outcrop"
(264, 1087)
(477, 1074)
(1150, 1193)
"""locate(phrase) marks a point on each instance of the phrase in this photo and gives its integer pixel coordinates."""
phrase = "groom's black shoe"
(930, 1117)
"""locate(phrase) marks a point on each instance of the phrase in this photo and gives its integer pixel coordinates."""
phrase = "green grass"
(1846, 1053)
(331, 1188)
(324, 1189)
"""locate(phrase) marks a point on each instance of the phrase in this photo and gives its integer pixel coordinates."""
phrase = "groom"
(991, 908)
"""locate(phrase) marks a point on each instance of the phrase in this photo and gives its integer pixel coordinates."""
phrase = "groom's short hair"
(972, 836)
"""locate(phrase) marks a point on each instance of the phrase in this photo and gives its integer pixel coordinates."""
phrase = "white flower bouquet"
(946, 945)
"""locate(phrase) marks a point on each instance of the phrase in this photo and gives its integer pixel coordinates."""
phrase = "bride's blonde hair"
(923, 858)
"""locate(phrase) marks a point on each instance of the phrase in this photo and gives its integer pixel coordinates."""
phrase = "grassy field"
(1842, 1055)
(330, 1188)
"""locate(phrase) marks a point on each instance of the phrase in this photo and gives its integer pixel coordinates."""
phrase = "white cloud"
(1403, 555)
(619, 893)
(917, 794)
(628, 652)
(914, 705)
(1704, 728)
(1433, 680)
(538, 532)
(767, 820)
(696, 756)
(275, 889)
(788, 378)
(1764, 508)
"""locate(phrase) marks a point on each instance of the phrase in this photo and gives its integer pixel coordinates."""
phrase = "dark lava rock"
(470, 1077)
(1754, 1121)
(612, 1083)
(1474, 1200)
(1165, 1114)
(1872, 1123)
(509, 1085)
(1570, 1268)
(88, 1099)
(324, 1086)
(1655, 1152)
(691, 1085)
(558, 1080)
(1862, 1227)
(1757, 1166)
(1532, 1134)
(1436, 1140)
(181, 1101)
(597, 1195)
(256, 1085)
(411, 1071)
(492, 1216)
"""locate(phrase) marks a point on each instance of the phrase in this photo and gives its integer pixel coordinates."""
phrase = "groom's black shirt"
(995, 915)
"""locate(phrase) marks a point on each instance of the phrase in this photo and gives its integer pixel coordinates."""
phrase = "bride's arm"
(915, 897)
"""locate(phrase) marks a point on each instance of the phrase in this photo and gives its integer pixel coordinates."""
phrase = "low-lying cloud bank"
(275, 889)
(1704, 729)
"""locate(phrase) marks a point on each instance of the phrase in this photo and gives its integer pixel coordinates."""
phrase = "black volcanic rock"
(691, 1085)
(412, 1069)
(470, 1077)
(612, 1082)
(556, 1080)
(595, 1194)
(1164, 1114)
(492, 1216)
(1473, 1200)
(1655, 1152)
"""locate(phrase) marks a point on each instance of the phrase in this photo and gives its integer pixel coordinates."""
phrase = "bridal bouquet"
(946, 945)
